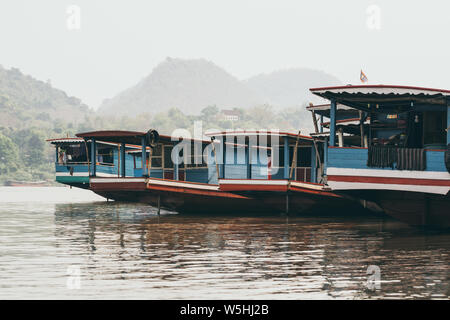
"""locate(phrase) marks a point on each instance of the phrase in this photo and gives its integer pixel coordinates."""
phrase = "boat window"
(168, 157)
(434, 125)
(73, 153)
(303, 156)
(157, 156)
(105, 155)
(137, 161)
(196, 159)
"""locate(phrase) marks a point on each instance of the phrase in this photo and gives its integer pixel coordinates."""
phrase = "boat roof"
(384, 97)
(324, 110)
(128, 137)
(66, 141)
(288, 135)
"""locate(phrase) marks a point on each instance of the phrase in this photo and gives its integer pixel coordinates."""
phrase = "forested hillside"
(32, 111)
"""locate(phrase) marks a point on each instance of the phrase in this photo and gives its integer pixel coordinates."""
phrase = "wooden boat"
(393, 153)
(229, 174)
(72, 160)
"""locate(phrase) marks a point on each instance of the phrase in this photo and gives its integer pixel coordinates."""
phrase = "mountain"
(24, 99)
(290, 87)
(189, 85)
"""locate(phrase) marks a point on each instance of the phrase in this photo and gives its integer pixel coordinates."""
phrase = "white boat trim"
(341, 185)
(408, 174)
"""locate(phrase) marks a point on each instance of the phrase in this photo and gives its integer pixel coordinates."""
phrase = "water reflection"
(127, 251)
(250, 257)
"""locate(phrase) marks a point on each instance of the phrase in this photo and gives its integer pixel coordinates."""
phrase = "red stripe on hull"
(264, 199)
(249, 187)
(193, 191)
(386, 180)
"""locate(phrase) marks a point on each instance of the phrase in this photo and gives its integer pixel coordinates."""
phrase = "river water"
(63, 243)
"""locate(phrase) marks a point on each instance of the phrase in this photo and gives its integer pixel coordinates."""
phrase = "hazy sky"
(120, 42)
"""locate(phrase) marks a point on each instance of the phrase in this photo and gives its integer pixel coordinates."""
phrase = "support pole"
(247, 158)
(316, 127)
(325, 157)
(118, 161)
(224, 156)
(448, 120)
(175, 171)
(144, 157)
(286, 158)
(123, 167)
(332, 122)
(321, 124)
(93, 158)
(361, 127)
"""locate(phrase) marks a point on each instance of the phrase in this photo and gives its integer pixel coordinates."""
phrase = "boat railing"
(70, 163)
(400, 158)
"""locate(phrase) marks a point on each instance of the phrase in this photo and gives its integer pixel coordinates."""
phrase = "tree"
(9, 156)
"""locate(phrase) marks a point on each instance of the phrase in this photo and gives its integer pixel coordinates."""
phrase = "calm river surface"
(67, 243)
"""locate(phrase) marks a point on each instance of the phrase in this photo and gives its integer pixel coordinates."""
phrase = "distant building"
(231, 115)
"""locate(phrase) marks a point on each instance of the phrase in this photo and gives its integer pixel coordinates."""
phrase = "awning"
(385, 98)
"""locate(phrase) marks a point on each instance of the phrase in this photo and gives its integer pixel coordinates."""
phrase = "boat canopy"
(127, 137)
(324, 110)
(65, 141)
(303, 139)
(385, 98)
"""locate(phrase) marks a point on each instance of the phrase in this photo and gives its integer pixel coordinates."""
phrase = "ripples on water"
(126, 251)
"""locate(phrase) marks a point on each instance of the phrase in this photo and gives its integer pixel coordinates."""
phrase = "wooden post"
(118, 161)
(317, 156)
(316, 128)
(361, 127)
(294, 159)
(332, 122)
(93, 158)
(286, 157)
(149, 165)
(247, 157)
(144, 156)
(123, 167)
(175, 164)
(448, 120)
(224, 156)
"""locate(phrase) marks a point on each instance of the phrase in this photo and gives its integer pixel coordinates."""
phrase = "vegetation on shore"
(32, 111)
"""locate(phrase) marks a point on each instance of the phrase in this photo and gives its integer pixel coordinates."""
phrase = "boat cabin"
(73, 158)
(398, 128)
(260, 158)
(153, 159)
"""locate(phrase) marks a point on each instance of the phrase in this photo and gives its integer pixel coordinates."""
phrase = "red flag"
(363, 77)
